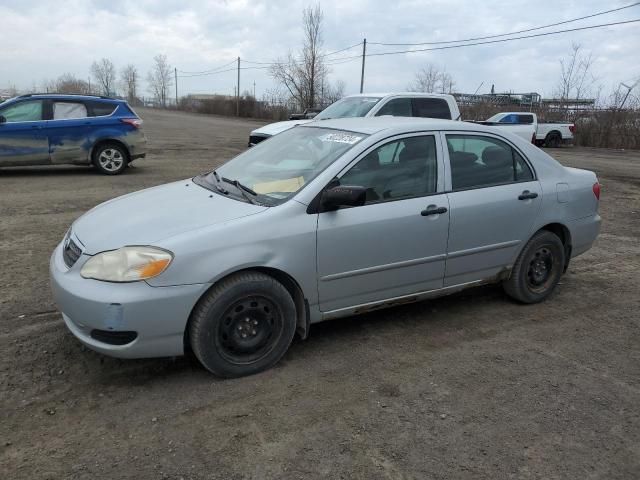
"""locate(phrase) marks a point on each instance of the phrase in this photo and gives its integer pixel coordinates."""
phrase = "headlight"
(127, 264)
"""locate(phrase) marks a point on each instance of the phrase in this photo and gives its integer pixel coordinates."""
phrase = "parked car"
(43, 129)
(325, 220)
(426, 105)
(308, 113)
(526, 123)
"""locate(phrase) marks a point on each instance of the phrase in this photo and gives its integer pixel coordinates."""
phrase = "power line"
(511, 33)
(210, 70)
(501, 40)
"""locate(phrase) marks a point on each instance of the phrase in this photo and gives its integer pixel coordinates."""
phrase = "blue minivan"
(53, 129)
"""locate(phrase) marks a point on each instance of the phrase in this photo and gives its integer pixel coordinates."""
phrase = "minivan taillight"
(596, 190)
(134, 122)
(572, 128)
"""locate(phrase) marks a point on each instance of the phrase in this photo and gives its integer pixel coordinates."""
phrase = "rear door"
(22, 137)
(395, 244)
(494, 199)
(68, 131)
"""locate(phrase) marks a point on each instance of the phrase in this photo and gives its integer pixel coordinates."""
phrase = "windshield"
(280, 166)
(348, 107)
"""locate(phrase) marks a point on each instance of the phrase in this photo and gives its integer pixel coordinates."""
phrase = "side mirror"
(343, 196)
(2, 119)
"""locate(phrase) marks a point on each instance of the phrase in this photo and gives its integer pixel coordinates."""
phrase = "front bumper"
(158, 315)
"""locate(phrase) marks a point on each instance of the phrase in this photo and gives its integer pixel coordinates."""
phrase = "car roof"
(67, 96)
(401, 94)
(371, 125)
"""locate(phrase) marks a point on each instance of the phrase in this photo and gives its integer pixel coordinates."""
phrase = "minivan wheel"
(243, 325)
(537, 270)
(110, 158)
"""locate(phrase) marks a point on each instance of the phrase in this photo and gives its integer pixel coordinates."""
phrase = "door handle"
(527, 195)
(433, 211)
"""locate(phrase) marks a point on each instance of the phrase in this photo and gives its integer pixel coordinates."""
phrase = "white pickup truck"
(526, 125)
(429, 105)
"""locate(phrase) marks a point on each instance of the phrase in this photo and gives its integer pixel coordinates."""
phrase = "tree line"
(106, 80)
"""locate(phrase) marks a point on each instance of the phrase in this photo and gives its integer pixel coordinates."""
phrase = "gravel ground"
(471, 386)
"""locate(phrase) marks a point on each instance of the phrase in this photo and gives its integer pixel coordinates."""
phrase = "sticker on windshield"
(340, 138)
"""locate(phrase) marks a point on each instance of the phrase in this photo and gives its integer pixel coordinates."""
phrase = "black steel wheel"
(553, 140)
(538, 268)
(243, 325)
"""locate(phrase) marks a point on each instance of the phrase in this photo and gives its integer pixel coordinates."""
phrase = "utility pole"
(629, 88)
(175, 75)
(238, 91)
(254, 89)
(364, 54)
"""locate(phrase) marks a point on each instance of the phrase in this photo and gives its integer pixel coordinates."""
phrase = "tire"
(553, 140)
(537, 269)
(110, 158)
(243, 325)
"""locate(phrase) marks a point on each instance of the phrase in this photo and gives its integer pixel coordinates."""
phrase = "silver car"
(319, 222)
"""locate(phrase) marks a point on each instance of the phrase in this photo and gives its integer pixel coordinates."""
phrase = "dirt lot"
(470, 386)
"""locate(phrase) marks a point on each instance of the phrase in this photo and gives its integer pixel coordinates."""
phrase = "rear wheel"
(110, 158)
(537, 270)
(243, 325)
(553, 140)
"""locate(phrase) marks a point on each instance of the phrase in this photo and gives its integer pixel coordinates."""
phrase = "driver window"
(23, 112)
(404, 168)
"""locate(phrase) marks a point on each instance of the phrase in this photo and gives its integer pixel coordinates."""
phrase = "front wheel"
(110, 158)
(537, 270)
(242, 326)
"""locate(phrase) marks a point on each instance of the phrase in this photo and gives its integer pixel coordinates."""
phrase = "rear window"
(431, 108)
(100, 109)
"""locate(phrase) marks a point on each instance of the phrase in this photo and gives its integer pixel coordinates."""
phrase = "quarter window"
(100, 109)
(401, 169)
(68, 110)
(478, 161)
(30, 111)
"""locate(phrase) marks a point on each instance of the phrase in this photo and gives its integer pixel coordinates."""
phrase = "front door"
(494, 199)
(22, 138)
(395, 244)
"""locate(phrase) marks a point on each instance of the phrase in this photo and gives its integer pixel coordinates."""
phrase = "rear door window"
(526, 119)
(29, 111)
(479, 161)
(69, 110)
(431, 108)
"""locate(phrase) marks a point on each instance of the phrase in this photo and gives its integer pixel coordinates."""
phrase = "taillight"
(134, 122)
(596, 190)
(572, 128)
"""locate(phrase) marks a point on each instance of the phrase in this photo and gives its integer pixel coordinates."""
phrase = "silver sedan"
(323, 221)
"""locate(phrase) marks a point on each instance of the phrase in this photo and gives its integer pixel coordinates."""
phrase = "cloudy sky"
(42, 39)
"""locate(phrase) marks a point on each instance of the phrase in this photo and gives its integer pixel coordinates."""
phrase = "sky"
(41, 40)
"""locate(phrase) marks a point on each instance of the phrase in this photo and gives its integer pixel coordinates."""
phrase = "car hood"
(274, 128)
(148, 216)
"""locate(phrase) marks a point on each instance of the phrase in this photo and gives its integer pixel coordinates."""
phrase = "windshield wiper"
(217, 184)
(243, 189)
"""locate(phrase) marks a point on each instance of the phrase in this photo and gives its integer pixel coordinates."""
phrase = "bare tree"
(576, 80)
(67, 83)
(104, 72)
(129, 79)
(159, 79)
(431, 80)
(303, 78)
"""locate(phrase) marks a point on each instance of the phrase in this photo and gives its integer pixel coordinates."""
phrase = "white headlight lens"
(127, 264)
